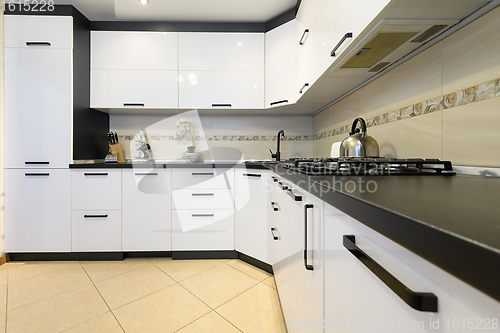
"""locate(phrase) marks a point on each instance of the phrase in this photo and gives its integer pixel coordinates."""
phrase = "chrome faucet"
(281, 135)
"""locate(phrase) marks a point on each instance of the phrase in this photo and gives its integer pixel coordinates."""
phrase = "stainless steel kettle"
(359, 144)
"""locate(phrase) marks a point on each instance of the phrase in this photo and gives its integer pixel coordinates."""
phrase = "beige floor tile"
(182, 269)
(250, 270)
(218, 285)
(262, 311)
(3, 298)
(3, 319)
(23, 270)
(270, 282)
(127, 287)
(105, 323)
(47, 285)
(100, 270)
(210, 323)
(57, 313)
(165, 311)
(4, 274)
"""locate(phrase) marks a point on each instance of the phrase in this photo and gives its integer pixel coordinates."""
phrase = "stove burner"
(369, 166)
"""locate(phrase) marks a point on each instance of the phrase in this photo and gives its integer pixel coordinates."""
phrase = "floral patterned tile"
(497, 88)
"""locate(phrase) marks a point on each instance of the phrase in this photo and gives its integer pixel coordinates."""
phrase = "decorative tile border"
(467, 96)
(225, 138)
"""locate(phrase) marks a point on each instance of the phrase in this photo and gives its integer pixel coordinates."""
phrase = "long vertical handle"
(306, 207)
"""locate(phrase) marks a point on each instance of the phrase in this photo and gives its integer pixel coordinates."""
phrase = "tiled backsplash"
(443, 103)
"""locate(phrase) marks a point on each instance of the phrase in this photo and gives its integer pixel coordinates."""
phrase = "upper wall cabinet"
(134, 50)
(221, 51)
(38, 31)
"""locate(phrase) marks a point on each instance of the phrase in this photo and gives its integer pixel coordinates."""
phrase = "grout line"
(117, 274)
(247, 273)
(7, 298)
(102, 299)
(178, 281)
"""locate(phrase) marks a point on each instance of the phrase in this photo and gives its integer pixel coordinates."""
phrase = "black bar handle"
(302, 39)
(133, 104)
(35, 163)
(221, 105)
(202, 194)
(347, 35)
(95, 216)
(275, 207)
(306, 207)
(202, 174)
(279, 102)
(417, 300)
(202, 215)
(275, 179)
(95, 174)
(273, 230)
(252, 175)
(303, 87)
(38, 43)
(294, 196)
(37, 174)
(283, 187)
(146, 174)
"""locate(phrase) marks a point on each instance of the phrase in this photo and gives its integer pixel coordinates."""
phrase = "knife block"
(118, 150)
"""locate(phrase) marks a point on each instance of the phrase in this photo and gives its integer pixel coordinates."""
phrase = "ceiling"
(256, 11)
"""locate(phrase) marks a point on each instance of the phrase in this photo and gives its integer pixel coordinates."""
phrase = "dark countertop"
(169, 165)
(451, 221)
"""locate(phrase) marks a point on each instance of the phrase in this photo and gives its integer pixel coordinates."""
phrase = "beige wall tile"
(472, 55)
(323, 147)
(296, 149)
(235, 150)
(236, 125)
(291, 125)
(413, 137)
(471, 135)
(323, 121)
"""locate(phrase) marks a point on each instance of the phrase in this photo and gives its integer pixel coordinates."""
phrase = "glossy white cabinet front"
(221, 51)
(146, 210)
(38, 107)
(133, 88)
(32, 31)
(219, 89)
(138, 50)
(96, 189)
(37, 210)
(96, 231)
(202, 178)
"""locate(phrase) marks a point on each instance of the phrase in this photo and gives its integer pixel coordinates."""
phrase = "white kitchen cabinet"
(38, 107)
(204, 198)
(30, 31)
(96, 189)
(96, 231)
(146, 210)
(200, 51)
(219, 89)
(202, 230)
(134, 50)
(202, 178)
(37, 210)
(253, 196)
(133, 88)
(354, 294)
(281, 51)
(305, 75)
(338, 18)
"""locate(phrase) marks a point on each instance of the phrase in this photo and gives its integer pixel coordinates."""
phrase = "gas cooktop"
(376, 166)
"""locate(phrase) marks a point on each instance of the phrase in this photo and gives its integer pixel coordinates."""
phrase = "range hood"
(389, 41)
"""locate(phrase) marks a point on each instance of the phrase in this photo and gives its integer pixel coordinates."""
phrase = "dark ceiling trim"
(176, 26)
(281, 19)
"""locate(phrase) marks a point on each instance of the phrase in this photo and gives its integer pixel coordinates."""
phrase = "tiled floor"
(138, 295)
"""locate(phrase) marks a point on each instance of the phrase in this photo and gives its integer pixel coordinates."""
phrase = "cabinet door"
(306, 282)
(217, 89)
(305, 76)
(221, 51)
(203, 199)
(37, 210)
(280, 65)
(198, 230)
(133, 88)
(338, 18)
(96, 189)
(30, 31)
(134, 50)
(96, 231)
(38, 108)
(203, 178)
(252, 213)
(146, 212)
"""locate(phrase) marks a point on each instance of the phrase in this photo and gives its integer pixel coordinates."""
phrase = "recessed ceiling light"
(144, 2)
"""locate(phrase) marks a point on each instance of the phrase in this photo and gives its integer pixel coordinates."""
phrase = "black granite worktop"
(451, 221)
(169, 165)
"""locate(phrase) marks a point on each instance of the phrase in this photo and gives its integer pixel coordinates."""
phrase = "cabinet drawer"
(38, 31)
(202, 230)
(203, 178)
(96, 189)
(96, 231)
(203, 199)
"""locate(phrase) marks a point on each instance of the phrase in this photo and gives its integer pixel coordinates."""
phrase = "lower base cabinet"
(96, 231)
